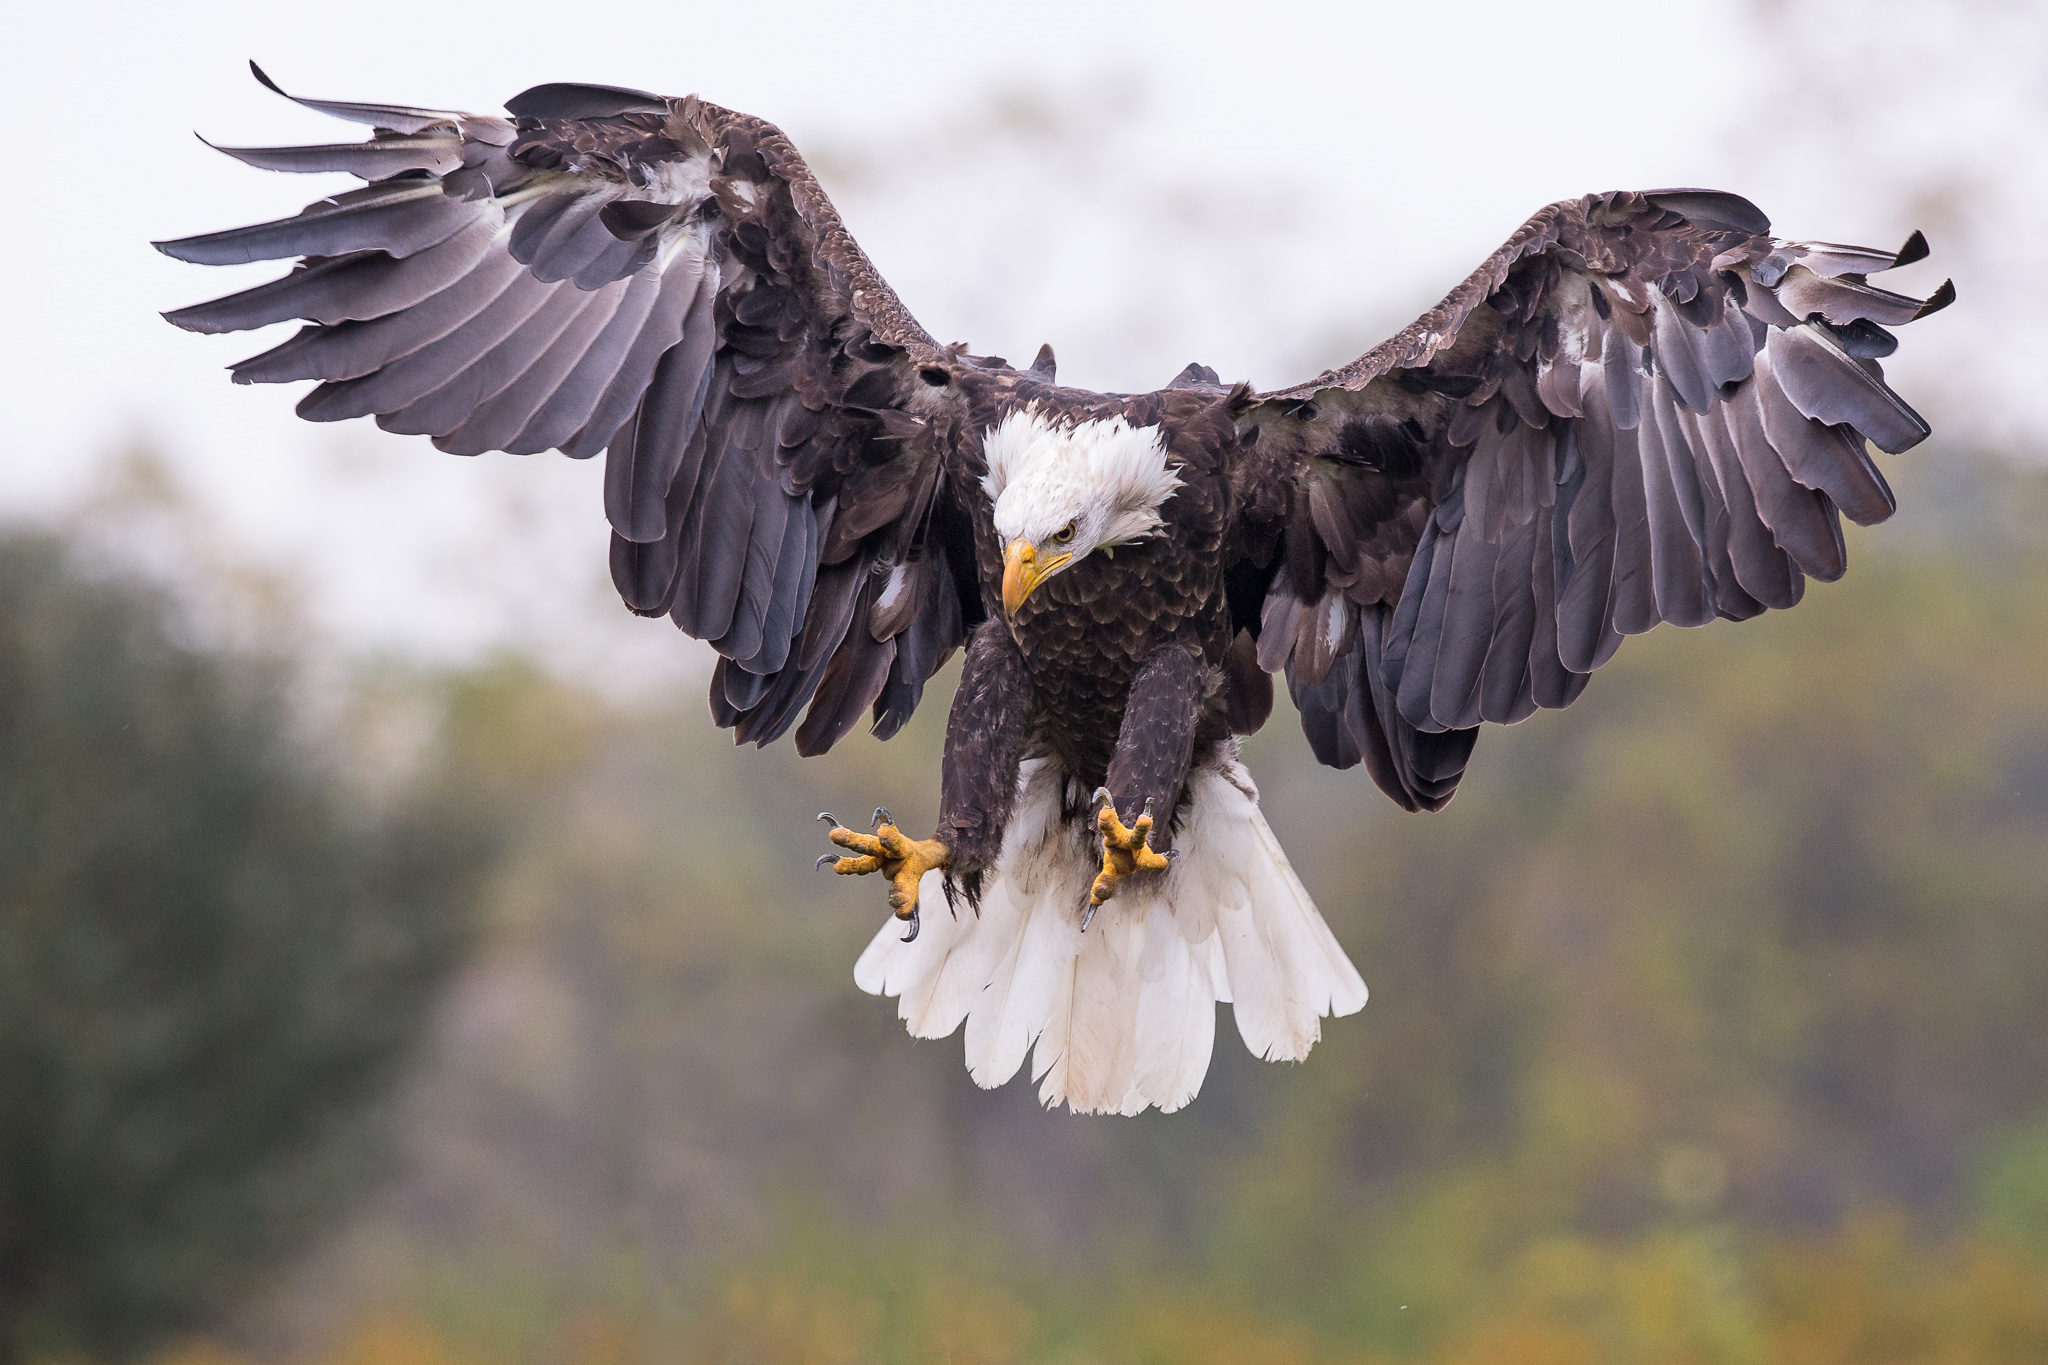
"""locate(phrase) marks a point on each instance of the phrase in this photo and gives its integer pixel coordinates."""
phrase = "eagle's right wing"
(663, 280)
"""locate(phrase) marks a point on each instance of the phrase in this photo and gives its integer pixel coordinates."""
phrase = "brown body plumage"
(1084, 636)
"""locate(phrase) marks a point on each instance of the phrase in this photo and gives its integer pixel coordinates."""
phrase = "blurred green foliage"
(212, 953)
(1710, 1024)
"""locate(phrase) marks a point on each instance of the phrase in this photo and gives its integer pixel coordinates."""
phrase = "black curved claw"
(1172, 855)
(1088, 915)
(826, 858)
(915, 925)
(882, 817)
(1102, 794)
(829, 818)
(1150, 802)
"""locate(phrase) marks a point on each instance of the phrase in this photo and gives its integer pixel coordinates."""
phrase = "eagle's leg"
(985, 738)
(889, 851)
(986, 734)
(1155, 744)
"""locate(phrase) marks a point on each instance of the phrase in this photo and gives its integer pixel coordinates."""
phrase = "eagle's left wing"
(665, 281)
(1642, 408)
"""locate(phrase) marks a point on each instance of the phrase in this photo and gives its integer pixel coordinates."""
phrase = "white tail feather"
(1124, 1015)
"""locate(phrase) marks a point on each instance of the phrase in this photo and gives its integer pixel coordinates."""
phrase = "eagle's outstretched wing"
(665, 281)
(1642, 408)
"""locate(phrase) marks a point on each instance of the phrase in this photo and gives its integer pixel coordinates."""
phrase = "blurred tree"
(213, 953)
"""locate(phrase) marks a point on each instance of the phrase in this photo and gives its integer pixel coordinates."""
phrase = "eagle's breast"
(1085, 631)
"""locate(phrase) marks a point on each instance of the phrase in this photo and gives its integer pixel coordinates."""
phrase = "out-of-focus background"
(397, 968)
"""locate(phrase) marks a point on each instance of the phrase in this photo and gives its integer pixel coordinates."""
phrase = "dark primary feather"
(359, 350)
(397, 218)
(372, 160)
(351, 288)
(562, 100)
(1642, 409)
(398, 118)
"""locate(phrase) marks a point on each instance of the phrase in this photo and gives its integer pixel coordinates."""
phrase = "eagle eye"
(1064, 534)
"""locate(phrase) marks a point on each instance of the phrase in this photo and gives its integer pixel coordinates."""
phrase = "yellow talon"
(1125, 849)
(901, 859)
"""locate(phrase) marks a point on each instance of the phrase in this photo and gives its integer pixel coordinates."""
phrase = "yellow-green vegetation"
(1709, 1024)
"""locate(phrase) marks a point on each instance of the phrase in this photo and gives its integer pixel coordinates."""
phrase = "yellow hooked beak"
(1023, 570)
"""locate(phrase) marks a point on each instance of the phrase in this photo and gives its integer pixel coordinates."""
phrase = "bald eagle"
(1642, 408)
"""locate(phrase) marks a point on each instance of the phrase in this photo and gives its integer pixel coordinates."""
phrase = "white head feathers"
(1106, 477)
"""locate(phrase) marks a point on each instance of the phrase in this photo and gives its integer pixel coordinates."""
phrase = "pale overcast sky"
(1268, 189)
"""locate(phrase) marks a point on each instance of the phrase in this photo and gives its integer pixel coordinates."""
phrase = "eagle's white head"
(1061, 492)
